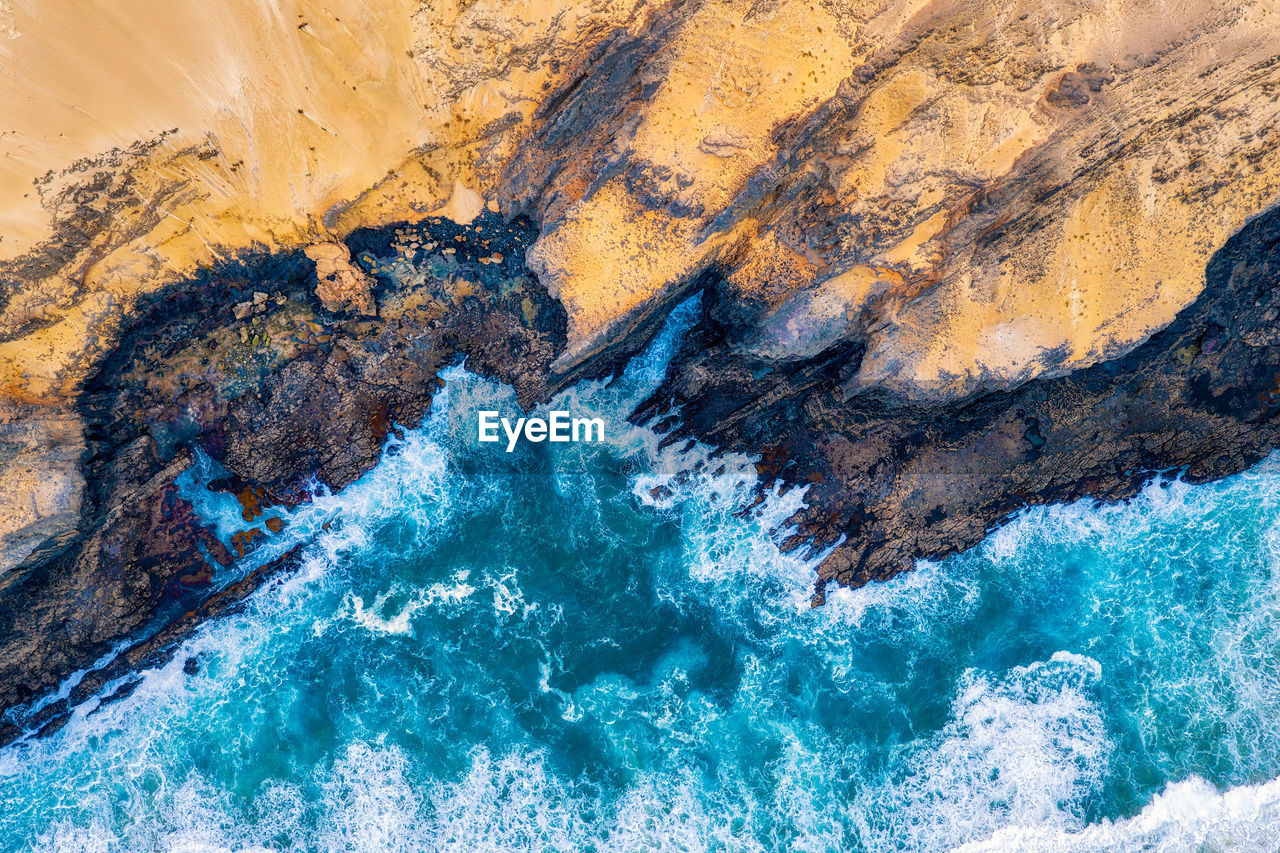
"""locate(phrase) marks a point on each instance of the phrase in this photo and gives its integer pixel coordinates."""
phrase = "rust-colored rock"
(340, 286)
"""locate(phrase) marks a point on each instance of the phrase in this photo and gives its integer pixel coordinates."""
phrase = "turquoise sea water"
(551, 653)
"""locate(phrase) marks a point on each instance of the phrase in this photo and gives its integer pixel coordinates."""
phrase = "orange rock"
(240, 542)
(340, 286)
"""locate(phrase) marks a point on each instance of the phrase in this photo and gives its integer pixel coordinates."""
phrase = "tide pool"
(589, 647)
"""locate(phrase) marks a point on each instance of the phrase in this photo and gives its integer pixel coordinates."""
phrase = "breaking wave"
(595, 648)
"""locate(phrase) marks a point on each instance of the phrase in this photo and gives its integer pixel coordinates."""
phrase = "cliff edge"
(957, 257)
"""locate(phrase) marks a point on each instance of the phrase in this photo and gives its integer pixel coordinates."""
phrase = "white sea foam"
(1007, 762)
(1020, 749)
(1010, 767)
(1187, 816)
(392, 612)
(370, 804)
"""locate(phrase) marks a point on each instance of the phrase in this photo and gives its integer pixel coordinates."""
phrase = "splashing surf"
(592, 648)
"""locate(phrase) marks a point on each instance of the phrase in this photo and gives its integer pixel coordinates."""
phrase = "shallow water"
(547, 651)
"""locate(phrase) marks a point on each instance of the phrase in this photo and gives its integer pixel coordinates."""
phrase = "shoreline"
(1194, 397)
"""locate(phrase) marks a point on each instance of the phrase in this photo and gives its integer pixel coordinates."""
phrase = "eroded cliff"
(957, 256)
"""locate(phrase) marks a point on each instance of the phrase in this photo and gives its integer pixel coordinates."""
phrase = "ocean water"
(585, 647)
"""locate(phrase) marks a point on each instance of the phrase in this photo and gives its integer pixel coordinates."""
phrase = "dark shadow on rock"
(901, 480)
(245, 363)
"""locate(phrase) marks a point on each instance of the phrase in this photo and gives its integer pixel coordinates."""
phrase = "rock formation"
(277, 389)
(891, 478)
(957, 257)
(339, 285)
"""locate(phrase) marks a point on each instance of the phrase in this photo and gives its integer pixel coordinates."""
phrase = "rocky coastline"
(892, 479)
(250, 366)
(954, 261)
(283, 389)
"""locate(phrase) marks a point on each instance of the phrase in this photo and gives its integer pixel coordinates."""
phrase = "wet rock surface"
(891, 479)
(246, 364)
(938, 247)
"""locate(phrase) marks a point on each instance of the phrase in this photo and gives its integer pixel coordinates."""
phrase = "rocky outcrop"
(278, 394)
(954, 256)
(978, 193)
(340, 286)
(40, 452)
(891, 479)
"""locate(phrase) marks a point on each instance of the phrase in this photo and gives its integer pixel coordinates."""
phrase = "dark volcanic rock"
(146, 550)
(247, 365)
(900, 480)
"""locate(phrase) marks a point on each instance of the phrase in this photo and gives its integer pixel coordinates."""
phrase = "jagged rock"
(954, 259)
(340, 286)
(275, 416)
(891, 479)
(40, 453)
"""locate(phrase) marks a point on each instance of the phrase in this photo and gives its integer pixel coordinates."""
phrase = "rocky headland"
(956, 259)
